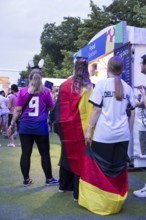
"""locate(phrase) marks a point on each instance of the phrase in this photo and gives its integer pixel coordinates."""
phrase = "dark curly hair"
(144, 59)
(14, 87)
(81, 75)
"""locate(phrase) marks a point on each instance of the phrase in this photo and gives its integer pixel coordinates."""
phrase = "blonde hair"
(115, 66)
(35, 82)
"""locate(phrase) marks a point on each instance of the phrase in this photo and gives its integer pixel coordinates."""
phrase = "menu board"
(125, 53)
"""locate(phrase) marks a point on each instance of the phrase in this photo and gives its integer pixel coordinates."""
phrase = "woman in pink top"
(11, 106)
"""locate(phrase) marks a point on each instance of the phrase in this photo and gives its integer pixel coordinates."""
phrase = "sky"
(21, 26)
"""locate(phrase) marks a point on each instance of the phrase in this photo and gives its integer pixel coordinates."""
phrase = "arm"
(140, 104)
(16, 115)
(10, 103)
(131, 120)
(17, 112)
(143, 92)
(93, 120)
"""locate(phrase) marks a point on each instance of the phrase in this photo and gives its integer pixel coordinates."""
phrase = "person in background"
(33, 125)
(141, 193)
(51, 113)
(1, 97)
(103, 184)
(4, 113)
(11, 106)
(72, 113)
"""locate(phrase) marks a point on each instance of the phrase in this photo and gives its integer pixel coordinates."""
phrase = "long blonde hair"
(35, 81)
(115, 66)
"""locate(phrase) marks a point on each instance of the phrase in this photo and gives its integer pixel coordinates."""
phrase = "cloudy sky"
(22, 22)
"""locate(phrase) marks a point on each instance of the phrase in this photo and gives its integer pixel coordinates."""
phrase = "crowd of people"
(92, 124)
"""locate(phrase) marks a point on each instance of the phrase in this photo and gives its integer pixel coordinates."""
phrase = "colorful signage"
(112, 39)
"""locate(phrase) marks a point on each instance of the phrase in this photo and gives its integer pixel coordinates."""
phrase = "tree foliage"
(127, 10)
(48, 68)
(56, 38)
(67, 64)
(98, 19)
(50, 43)
(140, 15)
(59, 43)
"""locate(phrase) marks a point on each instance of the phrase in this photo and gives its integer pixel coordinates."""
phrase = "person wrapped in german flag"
(103, 184)
(72, 114)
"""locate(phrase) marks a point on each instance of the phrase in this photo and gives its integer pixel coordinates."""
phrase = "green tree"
(140, 14)
(36, 59)
(58, 43)
(49, 67)
(56, 38)
(128, 10)
(68, 32)
(50, 44)
(67, 64)
(98, 19)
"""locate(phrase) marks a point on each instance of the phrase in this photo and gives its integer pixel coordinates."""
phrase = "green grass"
(38, 202)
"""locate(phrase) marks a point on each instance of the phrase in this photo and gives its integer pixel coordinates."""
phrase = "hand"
(142, 90)
(138, 87)
(10, 130)
(140, 105)
(88, 138)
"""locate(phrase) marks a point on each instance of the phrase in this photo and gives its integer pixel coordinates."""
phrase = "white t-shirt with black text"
(112, 125)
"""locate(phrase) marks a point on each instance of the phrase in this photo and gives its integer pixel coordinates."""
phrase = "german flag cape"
(98, 192)
(72, 116)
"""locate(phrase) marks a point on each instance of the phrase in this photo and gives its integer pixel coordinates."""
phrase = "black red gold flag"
(72, 116)
(98, 192)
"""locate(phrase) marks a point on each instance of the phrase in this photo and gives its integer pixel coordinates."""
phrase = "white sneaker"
(141, 193)
(11, 145)
(61, 191)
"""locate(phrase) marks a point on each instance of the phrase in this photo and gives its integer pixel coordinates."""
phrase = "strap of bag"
(26, 103)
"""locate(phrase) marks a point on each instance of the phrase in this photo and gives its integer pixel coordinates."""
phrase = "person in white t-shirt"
(1, 97)
(4, 113)
(11, 106)
(111, 133)
(141, 193)
(110, 98)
